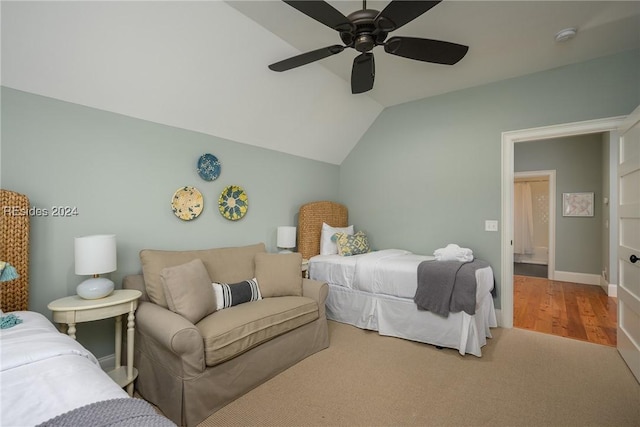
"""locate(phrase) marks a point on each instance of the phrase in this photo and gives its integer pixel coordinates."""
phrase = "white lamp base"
(285, 251)
(94, 288)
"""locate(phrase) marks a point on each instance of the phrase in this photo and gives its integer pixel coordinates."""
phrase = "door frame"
(551, 177)
(509, 139)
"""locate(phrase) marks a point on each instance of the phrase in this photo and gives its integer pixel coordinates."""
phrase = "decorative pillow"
(187, 288)
(279, 274)
(228, 295)
(352, 244)
(327, 246)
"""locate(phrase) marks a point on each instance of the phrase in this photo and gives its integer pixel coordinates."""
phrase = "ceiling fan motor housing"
(365, 34)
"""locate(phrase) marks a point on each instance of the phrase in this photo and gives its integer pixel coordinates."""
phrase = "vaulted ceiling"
(203, 65)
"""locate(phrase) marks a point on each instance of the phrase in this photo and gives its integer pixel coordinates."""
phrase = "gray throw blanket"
(447, 286)
(125, 412)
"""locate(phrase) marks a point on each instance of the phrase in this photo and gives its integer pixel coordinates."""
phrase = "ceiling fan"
(365, 29)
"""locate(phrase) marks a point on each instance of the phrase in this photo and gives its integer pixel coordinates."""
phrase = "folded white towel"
(454, 252)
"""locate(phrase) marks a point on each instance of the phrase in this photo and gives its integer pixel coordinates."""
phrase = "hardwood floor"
(572, 310)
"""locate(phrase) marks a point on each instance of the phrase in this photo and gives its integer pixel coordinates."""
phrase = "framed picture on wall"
(577, 204)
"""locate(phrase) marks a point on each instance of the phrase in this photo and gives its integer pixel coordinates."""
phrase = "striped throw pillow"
(228, 295)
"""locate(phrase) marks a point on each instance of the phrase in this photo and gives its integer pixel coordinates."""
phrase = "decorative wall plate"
(187, 203)
(209, 167)
(233, 203)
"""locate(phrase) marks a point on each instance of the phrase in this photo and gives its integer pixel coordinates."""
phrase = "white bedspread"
(375, 291)
(391, 272)
(44, 373)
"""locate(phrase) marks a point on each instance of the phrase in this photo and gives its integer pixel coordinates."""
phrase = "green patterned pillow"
(351, 244)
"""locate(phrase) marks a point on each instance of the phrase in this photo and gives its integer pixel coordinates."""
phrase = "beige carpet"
(523, 379)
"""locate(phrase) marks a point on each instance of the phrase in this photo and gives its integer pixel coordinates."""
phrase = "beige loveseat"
(192, 359)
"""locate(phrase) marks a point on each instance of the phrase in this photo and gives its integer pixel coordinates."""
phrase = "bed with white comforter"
(45, 373)
(376, 290)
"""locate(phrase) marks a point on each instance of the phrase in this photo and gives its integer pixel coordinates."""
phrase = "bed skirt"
(400, 317)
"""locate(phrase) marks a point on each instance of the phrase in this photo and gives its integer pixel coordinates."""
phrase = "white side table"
(74, 309)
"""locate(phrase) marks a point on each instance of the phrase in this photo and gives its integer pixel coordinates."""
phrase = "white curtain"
(522, 219)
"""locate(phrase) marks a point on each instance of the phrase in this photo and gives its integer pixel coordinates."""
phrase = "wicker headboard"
(14, 249)
(310, 219)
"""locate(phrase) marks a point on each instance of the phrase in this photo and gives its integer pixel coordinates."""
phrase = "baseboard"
(108, 362)
(583, 278)
(499, 318)
(532, 261)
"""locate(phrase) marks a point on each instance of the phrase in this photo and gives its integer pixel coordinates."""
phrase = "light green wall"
(428, 173)
(577, 161)
(120, 173)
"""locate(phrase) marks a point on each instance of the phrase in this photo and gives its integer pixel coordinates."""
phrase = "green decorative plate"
(187, 203)
(233, 203)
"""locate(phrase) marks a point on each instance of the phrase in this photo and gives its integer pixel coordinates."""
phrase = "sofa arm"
(169, 340)
(316, 290)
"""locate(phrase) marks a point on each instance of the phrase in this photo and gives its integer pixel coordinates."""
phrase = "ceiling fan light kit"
(365, 29)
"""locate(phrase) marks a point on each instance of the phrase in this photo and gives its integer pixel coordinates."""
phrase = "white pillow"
(327, 246)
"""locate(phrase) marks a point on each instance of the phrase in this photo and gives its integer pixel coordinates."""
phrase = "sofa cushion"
(225, 265)
(187, 288)
(279, 274)
(227, 333)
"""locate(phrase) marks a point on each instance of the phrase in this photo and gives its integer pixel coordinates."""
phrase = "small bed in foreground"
(47, 378)
(376, 290)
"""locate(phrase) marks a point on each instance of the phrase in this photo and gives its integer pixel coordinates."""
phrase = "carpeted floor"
(523, 379)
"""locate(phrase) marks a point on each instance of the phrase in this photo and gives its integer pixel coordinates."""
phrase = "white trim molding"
(508, 140)
(582, 278)
(611, 289)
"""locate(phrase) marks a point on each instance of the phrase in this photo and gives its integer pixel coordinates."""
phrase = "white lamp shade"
(95, 254)
(286, 237)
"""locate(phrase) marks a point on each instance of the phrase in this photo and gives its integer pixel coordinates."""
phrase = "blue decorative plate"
(209, 167)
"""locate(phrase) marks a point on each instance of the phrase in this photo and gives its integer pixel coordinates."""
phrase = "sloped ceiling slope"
(200, 66)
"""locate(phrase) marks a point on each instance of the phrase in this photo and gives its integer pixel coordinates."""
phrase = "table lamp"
(286, 239)
(95, 255)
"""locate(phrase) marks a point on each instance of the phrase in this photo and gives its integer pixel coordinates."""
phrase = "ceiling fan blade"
(322, 12)
(306, 58)
(363, 73)
(400, 12)
(426, 50)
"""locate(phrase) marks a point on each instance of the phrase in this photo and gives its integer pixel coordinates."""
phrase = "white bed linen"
(375, 291)
(45, 373)
(400, 317)
(391, 272)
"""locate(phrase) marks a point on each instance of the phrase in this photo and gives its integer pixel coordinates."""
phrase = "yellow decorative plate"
(187, 203)
(233, 203)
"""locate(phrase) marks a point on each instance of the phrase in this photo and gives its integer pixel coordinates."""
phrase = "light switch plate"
(491, 225)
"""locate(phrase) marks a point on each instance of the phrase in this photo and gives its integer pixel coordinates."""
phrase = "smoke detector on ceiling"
(565, 35)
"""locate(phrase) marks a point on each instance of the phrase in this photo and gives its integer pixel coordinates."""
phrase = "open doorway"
(534, 223)
(509, 139)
